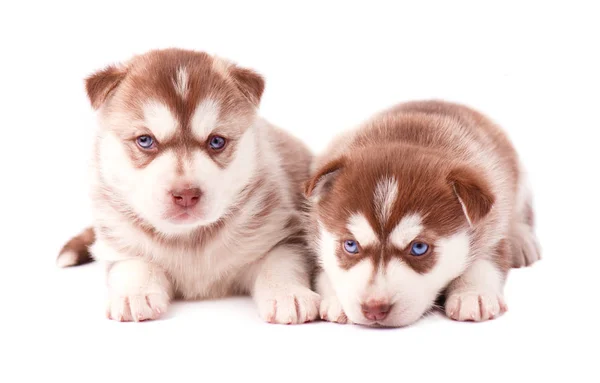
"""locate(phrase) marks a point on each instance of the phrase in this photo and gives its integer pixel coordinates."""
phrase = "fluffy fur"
(431, 172)
(243, 233)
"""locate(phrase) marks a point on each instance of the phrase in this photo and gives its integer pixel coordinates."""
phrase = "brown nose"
(376, 310)
(186, 197)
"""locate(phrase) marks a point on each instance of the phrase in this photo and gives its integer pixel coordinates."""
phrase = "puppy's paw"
(525, 248)
(331, 310)
(289, 306)
(474, 306)
(136, 307)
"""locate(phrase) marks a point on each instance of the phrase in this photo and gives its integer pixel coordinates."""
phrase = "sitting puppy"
(425, 198)
(194, 196)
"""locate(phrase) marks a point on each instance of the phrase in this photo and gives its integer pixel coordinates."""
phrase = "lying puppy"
(194, 196)
(425, 198)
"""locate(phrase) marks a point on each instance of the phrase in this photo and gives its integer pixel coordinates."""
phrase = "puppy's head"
(176, 144)
(394, 230)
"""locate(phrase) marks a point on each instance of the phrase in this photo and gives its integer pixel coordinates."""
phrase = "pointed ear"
(100, 84)
(250, 83)
(321, 182)
(473, 193)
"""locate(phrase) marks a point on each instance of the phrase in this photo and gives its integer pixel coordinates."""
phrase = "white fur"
(147, 190)
(160, 120)
(280, 289)
(243, 255)
(411, 293)
(385, 196)
(181, 82)
(477, 293)
(331, 308)
(221, 186)
(362, 231)
(137, 291)
(406, 230)
(205, 118)
(233, 260)
(66, 259)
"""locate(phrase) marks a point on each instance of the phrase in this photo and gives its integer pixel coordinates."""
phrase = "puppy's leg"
(477, 295)
(137, 290)
(331, 308)
(281, 287)
(525, 247)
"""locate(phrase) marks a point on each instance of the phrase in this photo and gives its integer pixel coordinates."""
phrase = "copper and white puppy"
(423, 199)
(194, 195)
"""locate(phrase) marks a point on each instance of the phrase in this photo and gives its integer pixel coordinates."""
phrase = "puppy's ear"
(250, 83)
(323, 179)
(473, 193)
(100, 84)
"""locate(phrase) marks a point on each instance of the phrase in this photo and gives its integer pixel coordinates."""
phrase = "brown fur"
(79, 245)
(423, 145)
(254, 243)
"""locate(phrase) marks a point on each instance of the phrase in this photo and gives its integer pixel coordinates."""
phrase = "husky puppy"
(194, 195)
(427, 198)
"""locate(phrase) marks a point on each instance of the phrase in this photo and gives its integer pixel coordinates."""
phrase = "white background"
(533, 67)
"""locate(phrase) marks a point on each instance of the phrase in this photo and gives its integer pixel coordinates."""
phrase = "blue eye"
(145, 142)
(216, 142)
(419, 248)
(351, 246)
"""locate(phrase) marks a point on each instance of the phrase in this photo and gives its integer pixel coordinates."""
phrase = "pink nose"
(186, 197)
(376, 310)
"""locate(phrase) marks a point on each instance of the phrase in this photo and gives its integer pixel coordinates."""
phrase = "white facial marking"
(407, 229)
(181, 82)
(362, 230)
(410, 292)
(386, 192)
(159, 119)
(205, 118)
(221, 186)
(347, 284)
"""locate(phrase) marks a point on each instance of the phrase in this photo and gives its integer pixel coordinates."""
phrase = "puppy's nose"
(187, 197)
(376, 310)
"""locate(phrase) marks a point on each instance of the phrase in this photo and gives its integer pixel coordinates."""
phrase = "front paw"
(289, 306)
(136, 307)
(474, 306)
(331, 310)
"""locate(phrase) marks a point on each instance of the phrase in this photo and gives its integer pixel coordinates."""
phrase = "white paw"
(136, 307)
(289, 306)
(331, 310)
(474, 306)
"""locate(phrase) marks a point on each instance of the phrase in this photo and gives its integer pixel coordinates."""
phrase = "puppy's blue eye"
(419, 248)
(351, 246)
(145, 141)
(216, 142)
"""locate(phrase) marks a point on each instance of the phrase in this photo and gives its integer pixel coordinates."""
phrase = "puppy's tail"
(76, 251)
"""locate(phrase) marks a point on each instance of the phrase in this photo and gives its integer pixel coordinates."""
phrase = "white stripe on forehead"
(384, 198)
(407, 229)
(181, 82)
(205, 118)
(362, 230)
(159, 119)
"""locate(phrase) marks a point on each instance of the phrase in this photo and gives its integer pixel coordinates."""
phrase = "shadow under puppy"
(425, 198)
(194, 195)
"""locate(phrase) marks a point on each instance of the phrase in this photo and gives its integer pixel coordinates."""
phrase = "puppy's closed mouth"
(184, 217)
